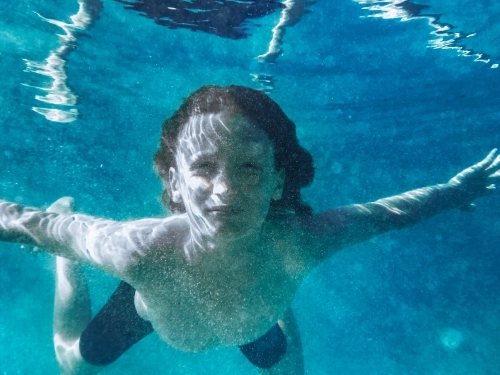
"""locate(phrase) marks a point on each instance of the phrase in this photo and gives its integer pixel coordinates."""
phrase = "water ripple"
(265, 81)
(224, 18)
(446, 35)
(290, 15)
(58, 93)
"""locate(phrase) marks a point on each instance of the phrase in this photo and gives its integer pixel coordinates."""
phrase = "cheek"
(260, 191)
(196, 186)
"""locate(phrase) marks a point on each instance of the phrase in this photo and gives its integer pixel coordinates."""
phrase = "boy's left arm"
(335, 229)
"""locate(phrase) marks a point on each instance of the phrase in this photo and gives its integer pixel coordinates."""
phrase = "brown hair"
(264, 113)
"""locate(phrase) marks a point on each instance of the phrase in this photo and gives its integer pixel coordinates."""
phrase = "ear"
(173, 180)
(280, 183)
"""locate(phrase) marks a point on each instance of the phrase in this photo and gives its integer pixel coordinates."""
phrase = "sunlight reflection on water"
(54, 66)
(447, 35)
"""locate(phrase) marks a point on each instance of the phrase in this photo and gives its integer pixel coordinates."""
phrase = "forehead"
(207, 133)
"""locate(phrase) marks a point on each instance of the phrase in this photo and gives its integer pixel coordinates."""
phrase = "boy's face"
(225, 175)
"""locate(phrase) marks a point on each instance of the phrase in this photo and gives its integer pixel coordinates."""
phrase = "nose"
(221, 184)
(220, 188)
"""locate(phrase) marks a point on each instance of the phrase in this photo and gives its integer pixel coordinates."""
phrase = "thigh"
(279, 351)
(293, 362)
(268, 349)
(114, 329)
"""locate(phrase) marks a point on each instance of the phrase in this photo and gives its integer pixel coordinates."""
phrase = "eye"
(202, 167)
(252, 167)
(202, 164)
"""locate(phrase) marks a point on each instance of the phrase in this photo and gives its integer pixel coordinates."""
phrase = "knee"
(68, 355)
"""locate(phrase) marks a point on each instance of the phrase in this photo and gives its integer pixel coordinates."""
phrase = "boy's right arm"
(115, 247)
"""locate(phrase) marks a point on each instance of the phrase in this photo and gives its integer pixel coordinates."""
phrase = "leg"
(279, 351)
(82, 345)
(293, 362)
(71, 308)
(114, 329)
(71, 316)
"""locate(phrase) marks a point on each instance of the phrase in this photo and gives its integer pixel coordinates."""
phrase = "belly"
(195, 320)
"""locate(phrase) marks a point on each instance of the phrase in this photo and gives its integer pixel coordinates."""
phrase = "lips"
(225, 210)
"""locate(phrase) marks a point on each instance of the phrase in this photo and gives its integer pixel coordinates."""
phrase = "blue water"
(379, 105)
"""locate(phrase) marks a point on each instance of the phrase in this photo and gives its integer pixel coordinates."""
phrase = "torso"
(209, 301)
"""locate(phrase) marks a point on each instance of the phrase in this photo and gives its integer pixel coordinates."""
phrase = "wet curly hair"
(265, 113)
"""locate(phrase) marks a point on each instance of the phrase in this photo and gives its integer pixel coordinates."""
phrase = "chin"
(234, 231)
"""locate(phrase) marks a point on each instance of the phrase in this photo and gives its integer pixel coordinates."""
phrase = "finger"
(494, 165)
(494, 178)
(487, 161)
(490, 189)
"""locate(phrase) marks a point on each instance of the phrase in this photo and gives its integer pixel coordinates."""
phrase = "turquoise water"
(387, 97)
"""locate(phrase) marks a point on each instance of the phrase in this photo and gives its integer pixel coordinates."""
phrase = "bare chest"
(195, 309)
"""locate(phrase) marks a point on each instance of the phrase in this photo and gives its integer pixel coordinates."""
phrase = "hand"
(478, 180)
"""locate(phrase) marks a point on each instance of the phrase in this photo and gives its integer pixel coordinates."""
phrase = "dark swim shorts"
(114, 329)
(118, 326)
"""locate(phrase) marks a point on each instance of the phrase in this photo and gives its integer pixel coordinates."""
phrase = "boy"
(224, 268)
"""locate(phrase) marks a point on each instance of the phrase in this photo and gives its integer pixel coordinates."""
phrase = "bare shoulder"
(158, 233)
(159, 238)
(293, 242)
(157, 241)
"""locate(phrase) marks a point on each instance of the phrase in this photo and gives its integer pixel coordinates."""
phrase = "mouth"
(225, 210)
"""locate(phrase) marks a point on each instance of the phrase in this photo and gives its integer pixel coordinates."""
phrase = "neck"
(218, 246)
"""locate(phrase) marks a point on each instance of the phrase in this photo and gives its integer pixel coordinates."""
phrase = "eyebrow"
(201, 155)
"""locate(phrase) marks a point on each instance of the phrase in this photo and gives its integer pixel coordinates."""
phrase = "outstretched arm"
(345, 226)
(114, 247)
